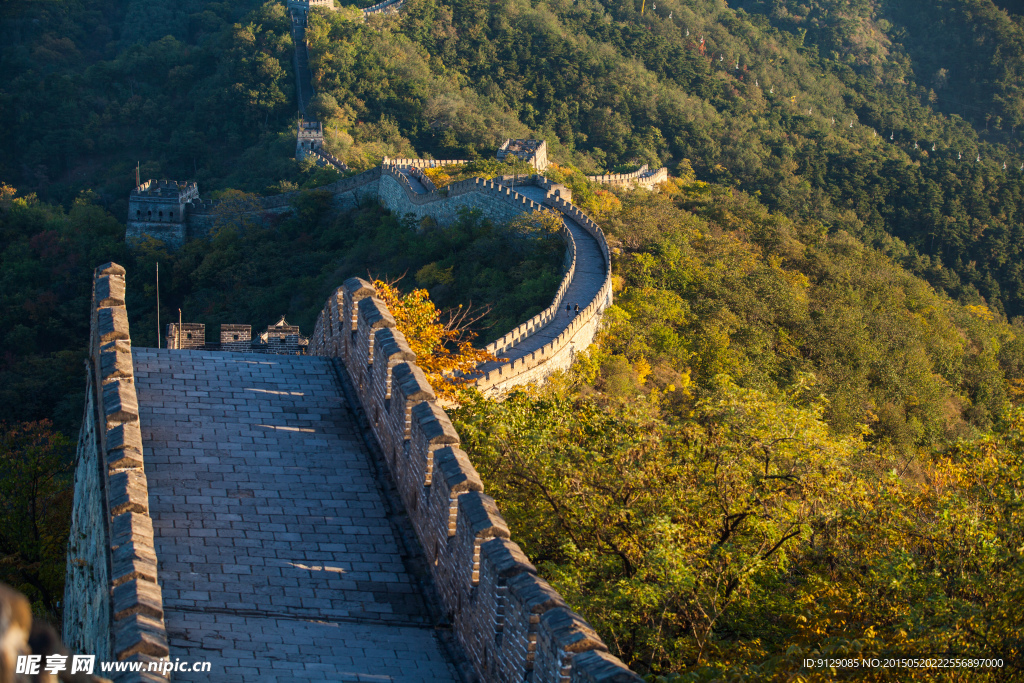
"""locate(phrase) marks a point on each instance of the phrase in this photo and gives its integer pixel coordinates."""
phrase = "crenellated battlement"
(114, 603)
(385, 7)
(642, 177)
(511, 623)
(496, 200)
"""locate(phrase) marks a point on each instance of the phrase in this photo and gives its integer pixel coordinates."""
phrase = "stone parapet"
(643, 177)
(422, 163)
(113, 597)
(417, 173)
(510, 339)
(512, 624)
(328, 158)
(386, 7)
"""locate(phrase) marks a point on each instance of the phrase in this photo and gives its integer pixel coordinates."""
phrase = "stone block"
(434, 423)
(136, 560)
(569, 631)
(127, 492)
(109, 290)
(597, 666)
(458, 474)
(110, 268)
(120, 404)
(478, 514)
(129, 527)
(138, 596)
(374, 314)
(116, 359)
(112, 324)
(124, 446)
(534, 593)
(413, 384)
(140, 634)
(505, 558)
(392, 344)
(358, 288)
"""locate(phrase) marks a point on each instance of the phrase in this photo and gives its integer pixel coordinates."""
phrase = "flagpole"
(158, 304)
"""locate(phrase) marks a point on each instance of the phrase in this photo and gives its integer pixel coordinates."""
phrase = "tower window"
(236, 337)
(188, 335)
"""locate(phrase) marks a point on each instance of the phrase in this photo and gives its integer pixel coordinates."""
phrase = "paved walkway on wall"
(276, 557)
(586, 282)
(303, 80)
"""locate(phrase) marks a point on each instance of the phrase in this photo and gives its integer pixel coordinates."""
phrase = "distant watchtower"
(310, 137)
(534, 152)
(159, 208)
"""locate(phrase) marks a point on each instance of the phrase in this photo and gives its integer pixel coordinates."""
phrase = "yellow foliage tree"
(443, 348)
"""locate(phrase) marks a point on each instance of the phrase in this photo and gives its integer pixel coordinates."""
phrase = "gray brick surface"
(276, 558)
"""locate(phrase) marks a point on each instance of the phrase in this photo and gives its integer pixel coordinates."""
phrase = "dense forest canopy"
(800, 430)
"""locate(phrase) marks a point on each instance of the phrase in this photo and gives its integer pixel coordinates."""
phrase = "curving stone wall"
(494, 199)
(112, 599)
(422, 163)
(328, 159)
(386, 7)
(513, 625)
(644, 177)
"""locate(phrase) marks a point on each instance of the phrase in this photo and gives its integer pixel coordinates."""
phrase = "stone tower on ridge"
(534, 152)
(159, 208)
(310, 137)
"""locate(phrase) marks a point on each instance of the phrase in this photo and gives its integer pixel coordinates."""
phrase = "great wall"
(311, 516)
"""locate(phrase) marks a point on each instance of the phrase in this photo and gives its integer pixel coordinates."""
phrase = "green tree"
(35, 504)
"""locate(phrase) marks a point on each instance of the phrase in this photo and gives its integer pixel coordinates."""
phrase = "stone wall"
(643, 177)
(390, 186)
(87, 580)
(111, 505)
(494, 201)
(507, 341)
(386, 7)
(190, 336)
(325, 158)
(513, 625)
(204, 215)
(422, 163)
(235, 337)
(578, 334)
(173, 235)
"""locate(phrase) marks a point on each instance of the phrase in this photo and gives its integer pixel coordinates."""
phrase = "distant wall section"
(513, 625)
(642, 177)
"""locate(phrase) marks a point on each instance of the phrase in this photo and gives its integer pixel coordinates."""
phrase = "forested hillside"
(800, 432)
(841, 124)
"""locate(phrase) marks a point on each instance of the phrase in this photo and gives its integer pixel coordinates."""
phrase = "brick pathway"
(277, 560)
(586, 282)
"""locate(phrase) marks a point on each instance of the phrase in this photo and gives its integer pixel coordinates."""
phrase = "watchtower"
(159, 208)
(310, 137)
(534, 152)
(282, 338)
